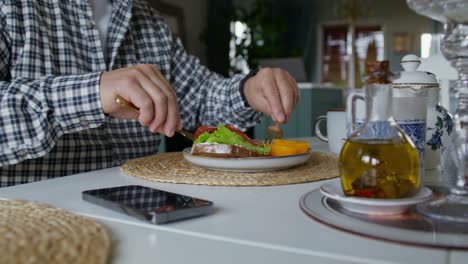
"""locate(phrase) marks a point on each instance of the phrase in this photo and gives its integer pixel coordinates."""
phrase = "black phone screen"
(147, 202)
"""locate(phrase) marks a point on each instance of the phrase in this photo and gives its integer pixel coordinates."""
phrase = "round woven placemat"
(37, 233)
(173, 168)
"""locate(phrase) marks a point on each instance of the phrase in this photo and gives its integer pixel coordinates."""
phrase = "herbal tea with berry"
(378, 160)
(386, 169)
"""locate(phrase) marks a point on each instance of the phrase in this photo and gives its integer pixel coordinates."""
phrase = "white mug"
(336, 129)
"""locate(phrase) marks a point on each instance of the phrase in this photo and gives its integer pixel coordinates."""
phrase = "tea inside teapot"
(378, 160)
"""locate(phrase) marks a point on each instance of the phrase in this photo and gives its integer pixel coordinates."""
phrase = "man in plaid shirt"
(59, 79)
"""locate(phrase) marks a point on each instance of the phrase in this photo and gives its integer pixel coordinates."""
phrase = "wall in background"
(195, 18)
(393, 15)
(305, 17)
(217, 35)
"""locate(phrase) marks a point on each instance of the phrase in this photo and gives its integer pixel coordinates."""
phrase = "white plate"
(333, 190)
(256, 164)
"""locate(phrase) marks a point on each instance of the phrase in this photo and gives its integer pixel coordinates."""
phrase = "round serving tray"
(409, 228)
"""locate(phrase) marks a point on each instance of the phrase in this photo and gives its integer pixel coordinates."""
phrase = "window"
(240, 37)
(430, 44)
(368, 44)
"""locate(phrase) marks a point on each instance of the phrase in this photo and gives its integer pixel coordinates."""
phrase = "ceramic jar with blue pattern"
(416, 101)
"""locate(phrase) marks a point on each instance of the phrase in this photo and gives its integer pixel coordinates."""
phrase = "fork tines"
(272, 133)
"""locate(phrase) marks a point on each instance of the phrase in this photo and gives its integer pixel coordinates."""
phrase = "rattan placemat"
(36, 233)
(173, 168)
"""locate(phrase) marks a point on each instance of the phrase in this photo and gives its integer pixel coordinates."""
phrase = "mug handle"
(351, 113)
(318, 133)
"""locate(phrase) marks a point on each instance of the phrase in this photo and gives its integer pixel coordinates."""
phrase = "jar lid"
(411, 75)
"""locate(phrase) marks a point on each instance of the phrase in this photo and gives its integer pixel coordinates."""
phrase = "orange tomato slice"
(284, 147)
(282, 150)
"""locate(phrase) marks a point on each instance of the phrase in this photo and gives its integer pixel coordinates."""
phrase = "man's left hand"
(273, 92)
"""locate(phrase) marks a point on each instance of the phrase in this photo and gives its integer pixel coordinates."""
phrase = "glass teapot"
(378, 160)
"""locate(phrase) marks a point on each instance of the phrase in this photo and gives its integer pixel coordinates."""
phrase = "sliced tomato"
(202, 129)
(242, 134)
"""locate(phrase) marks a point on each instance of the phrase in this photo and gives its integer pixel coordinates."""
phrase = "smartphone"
(155, 206)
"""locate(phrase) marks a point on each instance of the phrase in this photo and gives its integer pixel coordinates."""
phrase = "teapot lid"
(411, 75)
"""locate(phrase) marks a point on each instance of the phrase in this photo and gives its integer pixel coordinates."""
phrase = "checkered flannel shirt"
(51, 60)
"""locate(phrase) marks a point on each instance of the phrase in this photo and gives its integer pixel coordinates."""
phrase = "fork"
(272, 133)
(124, 103)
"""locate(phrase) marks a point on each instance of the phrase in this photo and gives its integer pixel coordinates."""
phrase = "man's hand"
(145, 87)
(274, 92)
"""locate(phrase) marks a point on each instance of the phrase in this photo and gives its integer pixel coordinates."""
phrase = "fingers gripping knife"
(124, 103)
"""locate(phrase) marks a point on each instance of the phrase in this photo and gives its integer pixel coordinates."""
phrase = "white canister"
(416, 93)
(410, 100)
(439, 128)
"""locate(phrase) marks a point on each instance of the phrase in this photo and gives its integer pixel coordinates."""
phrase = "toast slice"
(223, 151)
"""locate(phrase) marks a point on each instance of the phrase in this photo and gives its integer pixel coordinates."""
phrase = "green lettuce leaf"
(225, 136)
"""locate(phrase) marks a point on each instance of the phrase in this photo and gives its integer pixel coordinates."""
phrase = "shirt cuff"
(242, 84)
(76, 102)
(242, 113)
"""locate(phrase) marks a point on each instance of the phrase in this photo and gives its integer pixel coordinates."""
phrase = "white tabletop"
(250, 225)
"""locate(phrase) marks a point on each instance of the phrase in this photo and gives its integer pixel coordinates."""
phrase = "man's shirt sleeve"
(35, 113)
(4, 48)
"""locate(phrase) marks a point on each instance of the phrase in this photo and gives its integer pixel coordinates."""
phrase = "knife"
(129, 105)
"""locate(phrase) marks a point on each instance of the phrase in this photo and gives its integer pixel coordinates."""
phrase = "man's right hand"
(145, 87)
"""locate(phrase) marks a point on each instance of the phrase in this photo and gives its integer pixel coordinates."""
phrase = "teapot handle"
(353, 97)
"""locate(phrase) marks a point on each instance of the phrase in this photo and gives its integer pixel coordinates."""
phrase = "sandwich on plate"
(227, 141)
